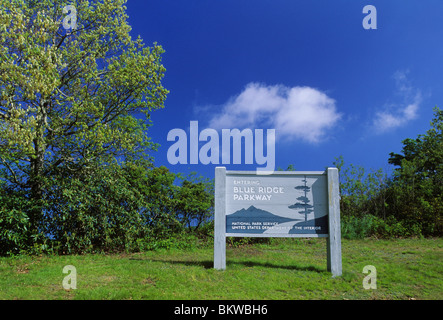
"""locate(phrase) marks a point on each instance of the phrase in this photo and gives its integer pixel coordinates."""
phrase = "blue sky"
(306, 68)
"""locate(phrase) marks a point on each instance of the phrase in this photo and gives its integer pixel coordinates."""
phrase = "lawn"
(284, 269)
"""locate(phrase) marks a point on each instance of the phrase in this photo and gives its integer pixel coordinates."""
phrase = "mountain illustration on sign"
(304, 204)
(257, 215)
(253, 216)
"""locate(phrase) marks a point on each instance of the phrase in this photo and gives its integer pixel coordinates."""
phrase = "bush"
(14, 226)
(15, 231)
(129, 207)
(391, 227)
(353, 227)
(181, 240)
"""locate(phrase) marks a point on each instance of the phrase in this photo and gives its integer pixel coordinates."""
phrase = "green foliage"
(126, 207)
(94, 213)
(121, 207)
(75, 105)
(14, 223)
(361, 193)
(408, 204)
(68, 98)
(195, 201)
(417, 189)
(235, 242)
(353, 227)
(179, 241)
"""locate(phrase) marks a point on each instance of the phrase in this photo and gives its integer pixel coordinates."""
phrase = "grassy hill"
(282, 269)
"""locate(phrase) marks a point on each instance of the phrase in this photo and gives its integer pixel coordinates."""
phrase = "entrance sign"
(283, 204)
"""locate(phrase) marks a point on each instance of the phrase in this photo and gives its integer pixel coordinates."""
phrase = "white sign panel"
(273, 206)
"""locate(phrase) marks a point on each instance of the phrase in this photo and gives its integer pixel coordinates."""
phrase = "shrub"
(353, 227)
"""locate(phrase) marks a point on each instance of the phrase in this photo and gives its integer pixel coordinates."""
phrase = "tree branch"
(14, 176)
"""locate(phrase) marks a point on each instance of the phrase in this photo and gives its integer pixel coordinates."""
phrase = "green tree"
(361, 193)
(68, 97)
(194, 201)
(408, 203)
(417, 190)
(94, 213)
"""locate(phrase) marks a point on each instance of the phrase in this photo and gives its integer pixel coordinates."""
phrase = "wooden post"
(220, 219)
(334, 239)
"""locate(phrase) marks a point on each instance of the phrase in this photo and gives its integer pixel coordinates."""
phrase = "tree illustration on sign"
(304, 201)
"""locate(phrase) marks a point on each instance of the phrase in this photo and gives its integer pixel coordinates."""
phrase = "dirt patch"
(149, 281)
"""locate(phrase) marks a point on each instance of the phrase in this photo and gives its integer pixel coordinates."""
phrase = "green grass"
(284, 269)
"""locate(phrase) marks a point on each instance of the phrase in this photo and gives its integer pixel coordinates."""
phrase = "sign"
(276, 206)
(283, 204)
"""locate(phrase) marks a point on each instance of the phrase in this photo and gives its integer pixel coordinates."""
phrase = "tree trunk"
(37, 165)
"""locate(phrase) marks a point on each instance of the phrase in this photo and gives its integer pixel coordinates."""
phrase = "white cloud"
(397, 115)
(299, 112)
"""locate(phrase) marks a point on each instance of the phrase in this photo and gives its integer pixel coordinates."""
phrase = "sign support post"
(220, 219)
(334, 239)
